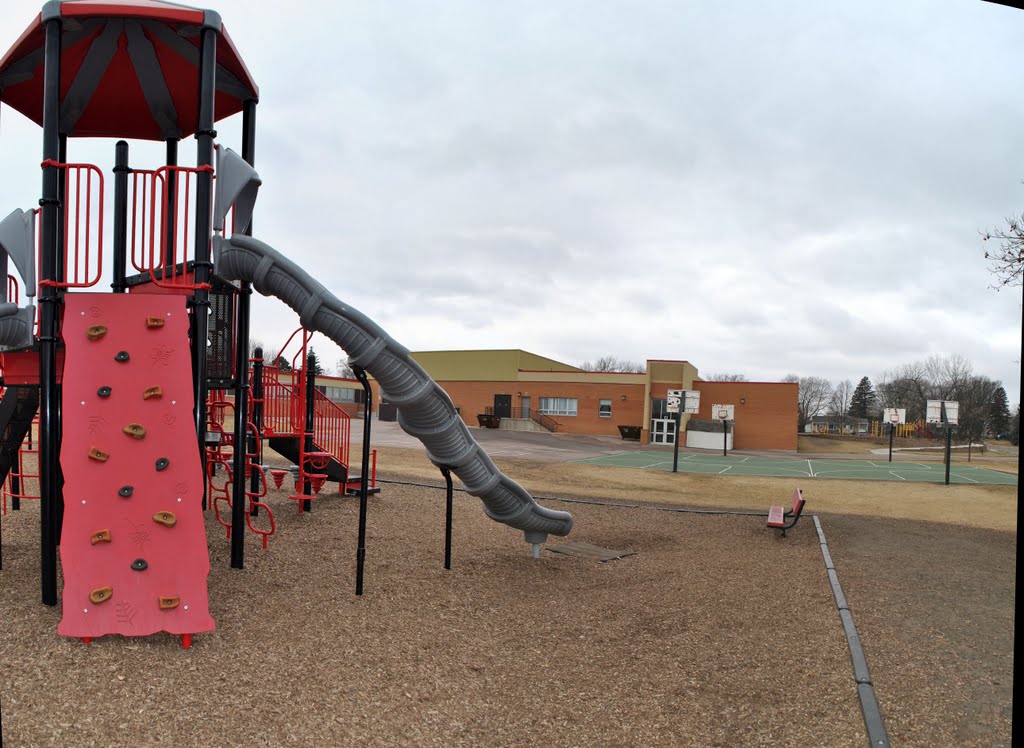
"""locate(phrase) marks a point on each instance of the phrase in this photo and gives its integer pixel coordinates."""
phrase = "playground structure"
(150, 410)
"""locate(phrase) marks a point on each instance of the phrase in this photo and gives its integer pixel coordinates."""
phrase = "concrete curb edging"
(877, 734)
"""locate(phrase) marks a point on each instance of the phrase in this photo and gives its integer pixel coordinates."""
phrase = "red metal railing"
(83, 225)
(162, 231)
(29, 451)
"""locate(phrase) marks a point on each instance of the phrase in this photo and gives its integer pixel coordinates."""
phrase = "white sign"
(673, 400)
(723, 412)
(691, 402)
(934, 414)
(895, 415)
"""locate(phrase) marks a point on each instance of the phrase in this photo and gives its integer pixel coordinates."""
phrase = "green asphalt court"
(781, 467)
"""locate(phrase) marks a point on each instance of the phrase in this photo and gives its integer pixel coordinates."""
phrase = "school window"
(558, 406)
(341, 394)
(606, 408)
(659, 408)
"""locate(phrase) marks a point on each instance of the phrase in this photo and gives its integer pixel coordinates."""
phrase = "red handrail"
(82, 266)
(153, 211)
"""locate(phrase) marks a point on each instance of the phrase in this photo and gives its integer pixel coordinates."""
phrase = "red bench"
(778, 516)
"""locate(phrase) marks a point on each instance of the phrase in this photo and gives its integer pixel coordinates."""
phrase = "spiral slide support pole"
(424, 409)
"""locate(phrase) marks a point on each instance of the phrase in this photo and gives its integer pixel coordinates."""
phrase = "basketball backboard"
(934, 414)
(894, 415)
(723, 412)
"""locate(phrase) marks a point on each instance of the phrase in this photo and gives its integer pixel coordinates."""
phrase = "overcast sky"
(764, 188)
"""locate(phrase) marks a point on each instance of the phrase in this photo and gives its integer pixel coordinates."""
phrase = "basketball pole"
(892, 433)
(949, 439)
(675, 454)
(725, 437)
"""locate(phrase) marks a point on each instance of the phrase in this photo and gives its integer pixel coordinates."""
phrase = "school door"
(503, 406)
(663, 431)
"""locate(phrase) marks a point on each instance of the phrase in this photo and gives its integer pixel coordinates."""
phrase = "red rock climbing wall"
(133, 546)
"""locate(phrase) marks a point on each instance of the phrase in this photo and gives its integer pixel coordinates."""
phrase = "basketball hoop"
(723, 413)
(894, 419)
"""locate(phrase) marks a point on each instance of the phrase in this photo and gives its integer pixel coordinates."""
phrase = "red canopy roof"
(129, 69)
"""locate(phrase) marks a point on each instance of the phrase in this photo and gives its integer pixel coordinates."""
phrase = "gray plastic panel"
(424, 409)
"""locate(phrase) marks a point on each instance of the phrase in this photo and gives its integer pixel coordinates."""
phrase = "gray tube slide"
(424, 409)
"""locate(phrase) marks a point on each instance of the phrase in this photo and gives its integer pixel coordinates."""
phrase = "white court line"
(893, 472)
(744, 459)
(810, 468)
(961, 475)
(722, 471)
(873, 464)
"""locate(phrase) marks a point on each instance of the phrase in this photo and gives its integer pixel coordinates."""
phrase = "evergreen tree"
(864, 403)
(1015, 429)
(999, 412)
(314, 363)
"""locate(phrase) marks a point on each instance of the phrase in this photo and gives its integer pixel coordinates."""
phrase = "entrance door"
(524, 407)
(663, 431)
(503, 406)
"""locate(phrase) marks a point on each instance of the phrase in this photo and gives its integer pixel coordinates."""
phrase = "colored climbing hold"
(151, 392)
(103, 392)
(155, 322)
(98, 455)
(100, 536)
(139, 564)
(122, 356)
(101, 594)
(136, 430)
(96, 332)
(167, 519)
(168, 602)
(162, 464)
(125, 492)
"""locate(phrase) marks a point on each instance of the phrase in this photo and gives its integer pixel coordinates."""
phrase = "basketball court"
(782, 467)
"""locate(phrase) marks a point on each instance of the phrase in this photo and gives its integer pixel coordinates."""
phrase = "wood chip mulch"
(716, 633)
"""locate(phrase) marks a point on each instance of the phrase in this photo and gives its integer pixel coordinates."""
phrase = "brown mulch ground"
(716, 633)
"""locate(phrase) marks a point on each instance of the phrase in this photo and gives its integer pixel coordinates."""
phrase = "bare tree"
(975, 398)
(839, 402)
(948, 375)
(726, 378)
(1006, 262)
(343, 369)
(614, 363)
(905, 386)
(812, 397)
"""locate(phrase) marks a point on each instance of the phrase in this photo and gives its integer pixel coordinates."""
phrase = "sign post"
(894, 416)
(672, 406)
(678, 402)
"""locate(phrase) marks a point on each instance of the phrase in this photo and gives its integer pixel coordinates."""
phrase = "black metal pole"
(892, 432)
(725, 437)
(675, 453)
(364, 488)
(949, 449)
(170, 214)
(205, 135)
(949, 437)
(240, 458)
(48, 300)
(447, 473)
(244, 441)
(121, 171)
(306, 505)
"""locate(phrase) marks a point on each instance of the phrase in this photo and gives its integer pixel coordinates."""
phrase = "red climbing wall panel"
(133, 547)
